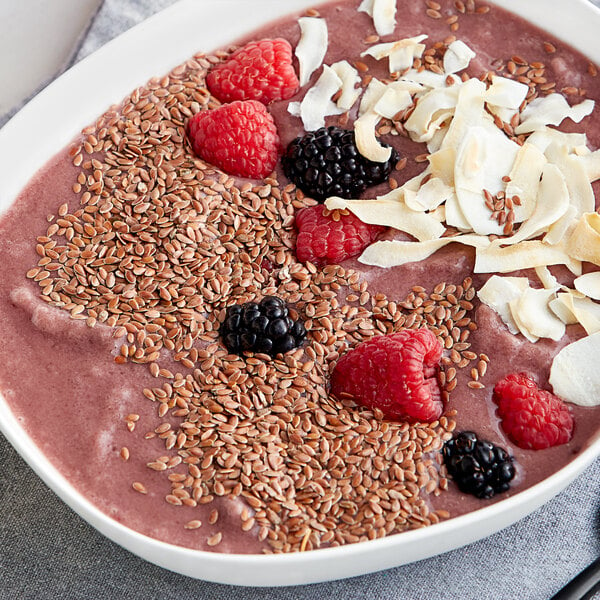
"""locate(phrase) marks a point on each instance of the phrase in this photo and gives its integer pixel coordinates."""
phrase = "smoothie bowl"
(279, 334)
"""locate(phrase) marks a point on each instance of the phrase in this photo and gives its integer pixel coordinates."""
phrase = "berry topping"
(478, 467)
(240, 138)
(532, 418)
(326, 238)
(395, 373)
(260, 70)
(261, 327)
(326, 162)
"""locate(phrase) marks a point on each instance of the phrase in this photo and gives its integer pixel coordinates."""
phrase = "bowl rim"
(131, 49)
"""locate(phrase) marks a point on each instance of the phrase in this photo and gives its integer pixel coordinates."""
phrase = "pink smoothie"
(60, 377)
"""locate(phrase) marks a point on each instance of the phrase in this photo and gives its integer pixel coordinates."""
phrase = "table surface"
(47, 551)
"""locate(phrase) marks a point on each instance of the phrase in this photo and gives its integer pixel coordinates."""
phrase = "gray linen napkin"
(48, 552)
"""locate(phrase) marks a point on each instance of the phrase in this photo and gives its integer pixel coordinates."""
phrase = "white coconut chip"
(505, 93)
(585, 311)
(580, 189)
(457, 57)
(589, 284)
(401, 53)
(551, 204)
(546, 278)
(572, 142)
(431, 110)
(551, 110)
(561, 230)
(525, 180)
(350, 79)
(560, 309)
(591, 164)
(312, 47)
(375, 90)
(455, 216)
(525, 255)
(366, 141)
(390, 210)
(394, 253)
(533, 315)
(483, 158)
(383, 13)
(317, 103)
(498, 292)
(574, 375)
(430, 79)
(392, 102)
(431, 195)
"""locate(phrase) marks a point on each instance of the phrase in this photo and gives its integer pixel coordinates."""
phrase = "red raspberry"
(396, 373)
(240, 138)
(323, 241)
(260, 71)
(533, 418)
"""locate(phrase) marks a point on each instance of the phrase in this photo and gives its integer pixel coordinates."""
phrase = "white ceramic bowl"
(152, 48)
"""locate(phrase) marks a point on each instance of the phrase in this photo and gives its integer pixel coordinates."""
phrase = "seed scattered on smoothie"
(215, 539)
(194, 524)
(124, 453)
(139, 487)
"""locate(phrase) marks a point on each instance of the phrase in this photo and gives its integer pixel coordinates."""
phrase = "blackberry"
(326, 162)
(261, 327)
(478, 467)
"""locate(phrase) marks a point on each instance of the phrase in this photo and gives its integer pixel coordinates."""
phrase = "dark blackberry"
(326, 162)
(478, 467)
(261, 327)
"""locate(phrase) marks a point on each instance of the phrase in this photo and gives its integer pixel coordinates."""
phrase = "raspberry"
(259, 70)
(533, 418)
(323, 240)
(395, 373)
(240, 138)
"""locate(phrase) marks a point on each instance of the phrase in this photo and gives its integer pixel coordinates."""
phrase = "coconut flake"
(312, 46)
(401, 54)
(392, 102)
(551, 204)
(484, 156)
(390, 210)
(524, 181)
(533, 315)
(317, 103)
(394, 253)
(506, 93)
(574, 375)
(432, 109)
(366, 141)
(498, 292)
(431, 195)
(551, 110)
(525, 255)
(383, 13)
(350, 79)
(591, 164)
(457, 57)
(561, 230)
(585, 311)
(589, 284)
(584, 242)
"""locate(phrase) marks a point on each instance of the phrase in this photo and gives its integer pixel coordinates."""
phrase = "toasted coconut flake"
(457, 57)
(431, 195)
(525, 255)
(312, 46)
(546, 278)
(383, 13)
(572, 142)
(591, 164)
(574, 375)
(394, 253)
(584, 242)
(498, 292)
(455, 216)
(433, 108)
(551, 110)
(392, 102)
(589, 284)
(390, 210)
(585, 311)
(375, 90)
(561, 229)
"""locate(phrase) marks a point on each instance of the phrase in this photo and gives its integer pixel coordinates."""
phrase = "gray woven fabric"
(48, 552)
